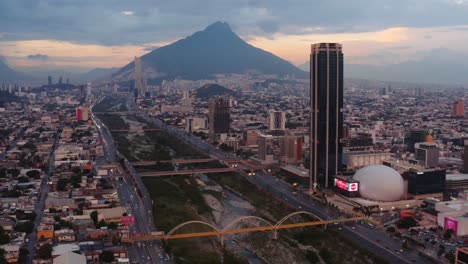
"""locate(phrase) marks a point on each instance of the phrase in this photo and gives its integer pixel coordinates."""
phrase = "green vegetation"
(406, 222)
(4, 237)
(45, 251)
(177, 200)
(111, 104)
(106, 256)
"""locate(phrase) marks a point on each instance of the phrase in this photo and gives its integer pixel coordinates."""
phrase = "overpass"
(229, 228)
(177, 161)
(135, 129)
(118, 113)
(185, 172)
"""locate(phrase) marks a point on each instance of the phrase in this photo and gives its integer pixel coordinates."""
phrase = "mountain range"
(40, 74)
(438, 66)
(215, 50)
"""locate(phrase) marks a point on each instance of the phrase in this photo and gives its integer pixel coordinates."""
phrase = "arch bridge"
(229, 228)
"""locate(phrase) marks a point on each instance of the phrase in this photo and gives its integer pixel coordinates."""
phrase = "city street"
(43, 192)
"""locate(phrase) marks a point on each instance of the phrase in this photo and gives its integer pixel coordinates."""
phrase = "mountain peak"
(219, 27)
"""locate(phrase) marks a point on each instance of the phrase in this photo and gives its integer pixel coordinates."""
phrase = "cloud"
(38, 57)
(127, 13)
(111, 22)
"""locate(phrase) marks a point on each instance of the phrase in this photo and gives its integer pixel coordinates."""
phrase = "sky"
(109, 33)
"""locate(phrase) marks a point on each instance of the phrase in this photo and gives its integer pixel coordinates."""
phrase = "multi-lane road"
(140, 208)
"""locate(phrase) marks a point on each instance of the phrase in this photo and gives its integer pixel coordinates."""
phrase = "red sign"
(127, 220)
(352, 187)
(341, 184)
(450, 223)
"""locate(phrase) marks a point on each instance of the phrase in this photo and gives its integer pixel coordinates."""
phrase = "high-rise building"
(276, 120)
(250, 137)
(219, 117)
(138, 78)
(290, 148)
(415, 136)
(89, 88)
(326, 119)
(265, 148)
(82, 114)
(465, 156)
(427, 154)
(49, 80)
(60, 80)
(459, 108)
(195, 123)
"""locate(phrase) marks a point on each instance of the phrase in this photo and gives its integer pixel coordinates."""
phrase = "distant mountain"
(215, 50)
(210, 90)
(8, 75)
(97, 73)
(441, 66)
(72, 73)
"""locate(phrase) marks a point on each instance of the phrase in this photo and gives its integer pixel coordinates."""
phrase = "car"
(378, 240)
(353, 228)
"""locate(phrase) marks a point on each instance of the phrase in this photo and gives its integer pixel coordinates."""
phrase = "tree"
(23, 255)
(404, 245)
(406, 222)
(34, 174)
(2, 256)
(26, 227)
(4, 237)
(45, 251)
(94, 217)
(106, 256)
(23, 179)
(448, 234)
(391, 229)
(13, 172)
(101, 223)
(62, 184)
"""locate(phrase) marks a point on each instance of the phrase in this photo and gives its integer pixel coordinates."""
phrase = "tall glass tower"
(326, 113)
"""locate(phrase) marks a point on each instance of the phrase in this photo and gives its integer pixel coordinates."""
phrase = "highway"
(141, 252)
(374, 240)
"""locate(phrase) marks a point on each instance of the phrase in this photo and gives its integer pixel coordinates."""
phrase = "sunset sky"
(109, 33)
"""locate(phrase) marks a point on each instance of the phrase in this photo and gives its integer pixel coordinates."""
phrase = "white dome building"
(380, 183)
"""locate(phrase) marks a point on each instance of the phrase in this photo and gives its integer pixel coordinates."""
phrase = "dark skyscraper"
(49, 80)
(220, 118)
(326, 119)
(60, 81)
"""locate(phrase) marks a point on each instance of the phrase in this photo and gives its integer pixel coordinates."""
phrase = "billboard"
(347, 186)
(341, 184)
(450, 223)
(127, 220)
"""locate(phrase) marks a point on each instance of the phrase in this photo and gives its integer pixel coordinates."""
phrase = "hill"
(8, 75)
(210, 90)
(215, 50)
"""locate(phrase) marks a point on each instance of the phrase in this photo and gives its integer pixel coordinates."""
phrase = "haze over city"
(250, 131)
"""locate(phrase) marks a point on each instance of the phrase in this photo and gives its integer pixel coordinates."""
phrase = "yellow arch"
(189, 223)
(228, 226)
(293, 214)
